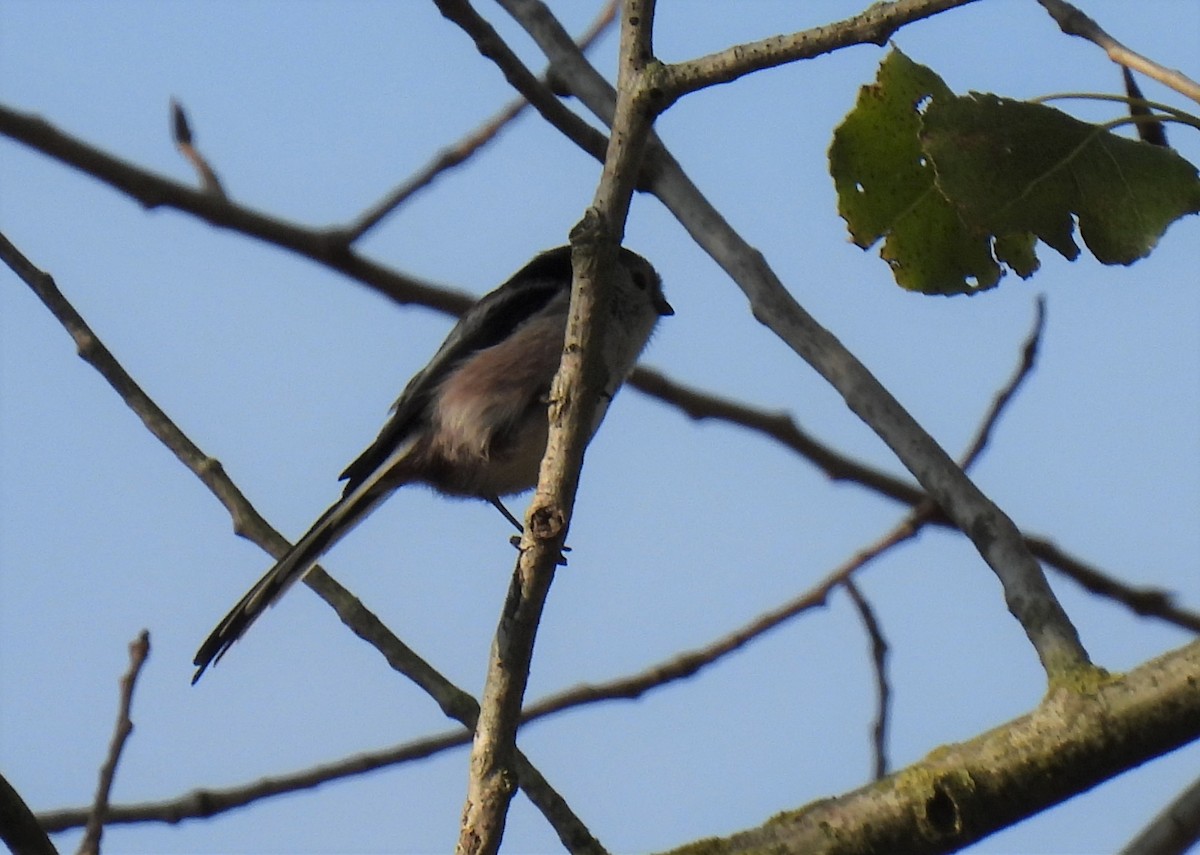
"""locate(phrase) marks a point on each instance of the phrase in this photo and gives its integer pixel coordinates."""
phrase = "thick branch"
(961, 793)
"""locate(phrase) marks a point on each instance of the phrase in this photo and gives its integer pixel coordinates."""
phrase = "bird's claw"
(561, 561)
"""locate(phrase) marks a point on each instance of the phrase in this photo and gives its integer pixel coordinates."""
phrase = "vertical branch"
(573, 400)
(139, 649)
(879, 651)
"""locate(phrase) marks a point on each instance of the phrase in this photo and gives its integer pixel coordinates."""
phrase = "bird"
(473, 422)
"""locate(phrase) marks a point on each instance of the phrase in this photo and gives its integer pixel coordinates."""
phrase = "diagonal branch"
(325, 247)
(1073, 22)
(1174, 831)
(995, 536)
(248, 523)
(961, 793)
(468, 146)
(878, 23)
(779, 426)
(695, 403)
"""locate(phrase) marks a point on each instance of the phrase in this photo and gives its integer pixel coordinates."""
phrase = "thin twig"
(875, 25)
(879, 652)
(541, 98)
(324, 246)
(698, 405)
(1073, 22)
(461, 151)
(182, 133)
(1004, 397)
(139, 650)
(922, 514)
(1150, 127)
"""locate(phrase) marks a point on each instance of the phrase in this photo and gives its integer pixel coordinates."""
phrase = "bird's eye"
(640, 280)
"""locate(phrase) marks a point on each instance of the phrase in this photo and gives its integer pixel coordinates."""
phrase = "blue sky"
(284, 370)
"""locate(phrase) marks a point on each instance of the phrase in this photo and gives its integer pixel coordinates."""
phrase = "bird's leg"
(499, 505)
(515, 540)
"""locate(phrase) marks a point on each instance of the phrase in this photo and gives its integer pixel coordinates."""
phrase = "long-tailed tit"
(473, 421)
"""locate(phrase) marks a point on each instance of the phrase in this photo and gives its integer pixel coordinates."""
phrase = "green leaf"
(960, 188)
(885, 186)
(1011, 168)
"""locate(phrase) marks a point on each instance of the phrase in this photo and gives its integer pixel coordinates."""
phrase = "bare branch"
(325, 247)
(875, 25)
(182, 133)
(779, 426)
(248, 523)
(997, 539)
(837, 466)
(1028, 357)
(491, 46)
(207, 802)
(139, 650)
(468, 146)
(879, 651)
(1072, 741)
(1174, 831)
(574, 397)
(128, 178)
(1073, 22)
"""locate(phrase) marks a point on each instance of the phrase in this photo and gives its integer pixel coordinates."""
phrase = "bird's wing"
(487, 323)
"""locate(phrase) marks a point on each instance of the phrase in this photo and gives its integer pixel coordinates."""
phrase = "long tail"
(333, 525)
